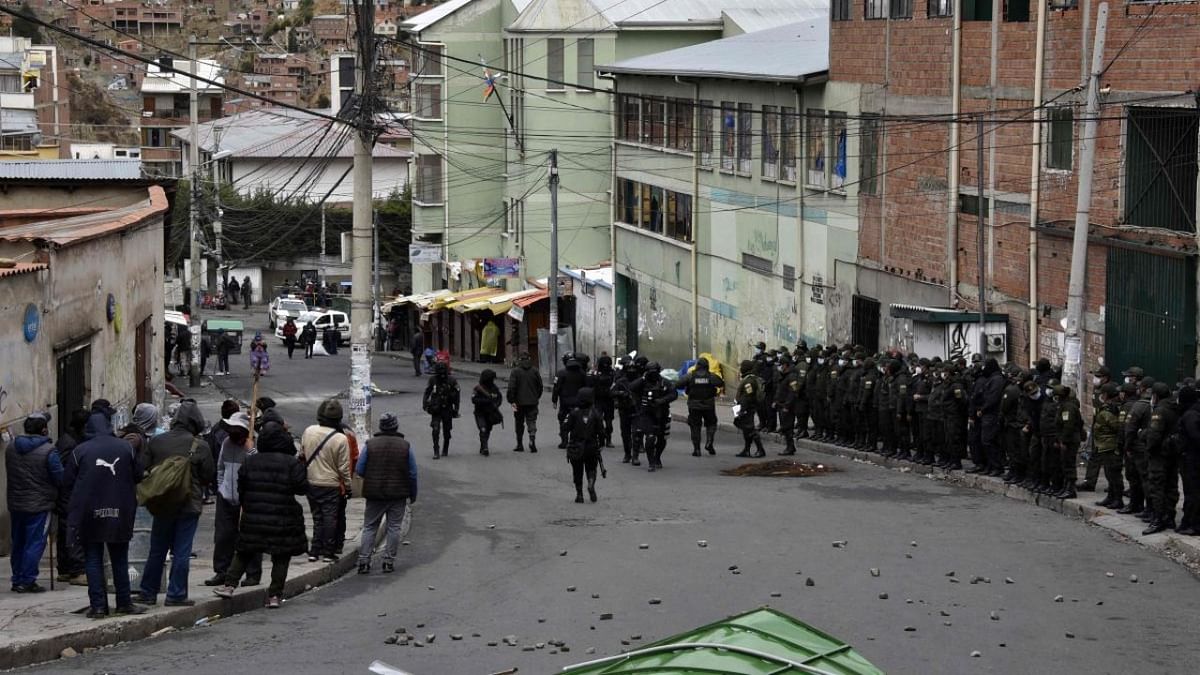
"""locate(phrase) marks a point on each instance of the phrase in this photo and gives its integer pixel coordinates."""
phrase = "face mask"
(820, 362)
(1049, 391)
(1128, 380)
(1036, 395)
(758, 350)
(917, 370)
(841, 362)
(1096, 381)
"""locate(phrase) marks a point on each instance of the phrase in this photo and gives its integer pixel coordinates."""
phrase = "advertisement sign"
(494, 268)
(424, 253)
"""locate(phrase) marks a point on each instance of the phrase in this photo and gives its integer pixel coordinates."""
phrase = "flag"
(489, 84)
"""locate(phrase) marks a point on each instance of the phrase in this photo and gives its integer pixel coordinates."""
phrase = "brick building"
(918, 228)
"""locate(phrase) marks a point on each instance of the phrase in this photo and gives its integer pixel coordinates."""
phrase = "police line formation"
(1019, 424)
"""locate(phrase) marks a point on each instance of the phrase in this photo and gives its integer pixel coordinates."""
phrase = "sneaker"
(28, 588)
(274, 602)
(364, 568)
(223, 591)
(389, 567)
(184, 602)
(129, 610)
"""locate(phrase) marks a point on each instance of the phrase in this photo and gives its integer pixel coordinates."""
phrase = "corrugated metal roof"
(429, 17)
(654, 12)
(71, 169)
(753, 19)
(22, 268)
(280, 133)
(68, 231)
(796, 50)
(562, 15)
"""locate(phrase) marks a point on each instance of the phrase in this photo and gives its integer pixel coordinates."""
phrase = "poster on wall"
(498, 268)
(424, 253)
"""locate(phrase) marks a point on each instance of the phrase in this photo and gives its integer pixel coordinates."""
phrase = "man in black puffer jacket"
(272, 521)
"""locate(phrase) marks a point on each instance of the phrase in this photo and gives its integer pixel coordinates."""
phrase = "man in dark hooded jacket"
(986, 399)
(565, 393)
(524, 392)
(175, 532)
(102, 510)
(34, 473)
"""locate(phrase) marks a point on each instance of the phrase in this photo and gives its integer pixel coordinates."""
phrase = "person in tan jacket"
(325, 452)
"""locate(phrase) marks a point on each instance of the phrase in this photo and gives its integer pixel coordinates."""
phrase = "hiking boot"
(592, 494)
(519, 449)
(97, 613)
(274, 602)
(389, 567)
(129, 610)
(215, 580)
(364, 568)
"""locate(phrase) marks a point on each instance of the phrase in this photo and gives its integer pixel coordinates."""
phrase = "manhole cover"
(779, 467)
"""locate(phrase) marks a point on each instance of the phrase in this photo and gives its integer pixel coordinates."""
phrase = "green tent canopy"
(760, 642)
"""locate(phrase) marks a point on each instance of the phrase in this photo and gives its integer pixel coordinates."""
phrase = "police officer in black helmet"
(654, 396)
(565, 394)
(702, 387)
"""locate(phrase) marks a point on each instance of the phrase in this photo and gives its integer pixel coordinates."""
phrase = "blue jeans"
(28, 545)
(118, 555)
(174, 534)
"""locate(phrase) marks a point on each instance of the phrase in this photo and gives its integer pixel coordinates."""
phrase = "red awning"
(531, 298)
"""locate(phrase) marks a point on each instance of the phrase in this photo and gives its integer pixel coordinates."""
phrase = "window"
(10, 83)
(654, 126)
(875, 9)
(728, 135)
(1016, 11)
(429, 61)
(429, 179)
(429, 100)
(787, 142)
(585, 61)
(706, 134)
(789, 278)
(745, 137)
(756, 263)
(645, 214)
(940, 8)
(655, 209)
(346, 71)
(901, 9)
(1160, 168)
(680, 224)
(814, 150)
(837, 134)
(554, 63)
(627, 202)
(629, 108)
(1060, 138)
(868, 156)
(840, 10)
(977, 10)
(679, 124)
(770, 142)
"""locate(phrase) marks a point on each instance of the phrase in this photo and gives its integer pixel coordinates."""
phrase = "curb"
(1183, 550)
(107, 632)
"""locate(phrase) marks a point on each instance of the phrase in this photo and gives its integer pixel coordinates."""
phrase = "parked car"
(284, 306)
(321, 320)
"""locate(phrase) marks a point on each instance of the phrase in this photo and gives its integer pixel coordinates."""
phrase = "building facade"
(166, 107)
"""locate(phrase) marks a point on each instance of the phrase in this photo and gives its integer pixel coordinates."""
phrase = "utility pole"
(552, 278)
(379, 340)
(979, 132)
(193, 212)
(215, 172)
(1073, 358)
(361, 319)
(322, 230)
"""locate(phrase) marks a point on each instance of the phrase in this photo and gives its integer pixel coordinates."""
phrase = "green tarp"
(760, 642)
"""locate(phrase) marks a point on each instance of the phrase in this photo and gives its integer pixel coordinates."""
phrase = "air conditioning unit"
(996, 343)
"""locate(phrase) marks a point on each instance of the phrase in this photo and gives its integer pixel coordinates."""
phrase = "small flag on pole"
(489, 84)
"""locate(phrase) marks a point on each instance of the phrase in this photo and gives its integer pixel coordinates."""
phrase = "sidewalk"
(1182, 549)
(38, 627)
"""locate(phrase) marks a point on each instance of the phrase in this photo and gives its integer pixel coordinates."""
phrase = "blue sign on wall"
(31, 322)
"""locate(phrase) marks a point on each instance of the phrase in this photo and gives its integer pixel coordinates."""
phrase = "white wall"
(593, 319)
(281, 174)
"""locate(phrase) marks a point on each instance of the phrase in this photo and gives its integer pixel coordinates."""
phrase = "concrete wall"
(593, 319)
(287, 174)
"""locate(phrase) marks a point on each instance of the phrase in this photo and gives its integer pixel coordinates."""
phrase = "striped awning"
(497, 305)
(454, 299)
(419, 299)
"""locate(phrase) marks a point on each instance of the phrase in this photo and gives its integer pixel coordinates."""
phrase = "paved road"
(488, 534)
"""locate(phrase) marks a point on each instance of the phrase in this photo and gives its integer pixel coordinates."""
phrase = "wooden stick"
(253, 406)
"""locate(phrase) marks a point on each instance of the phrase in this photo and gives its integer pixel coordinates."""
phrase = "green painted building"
(735, 195)
(481, 163)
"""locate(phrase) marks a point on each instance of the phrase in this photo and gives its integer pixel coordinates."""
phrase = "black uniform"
(702, 387)
(1013, 420)
(1163, 462)
(487, 399)
(787, 396)
(565, 395)
(585, 436)
(626, 405)
(524, 392)
(441, 401)
(654, 395)
(601, 382)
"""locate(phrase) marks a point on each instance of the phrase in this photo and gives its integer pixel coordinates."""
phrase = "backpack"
(168, 486)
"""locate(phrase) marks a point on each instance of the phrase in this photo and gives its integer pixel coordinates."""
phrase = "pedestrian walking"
(524, 391)
(174, 528)
(289, 336)
(225, 345)
(702, 387)
(234, 450)
(441, 401)
(34, 472)
(565, 392)
(183, 349)
(102, 510)
(388, 469)
(246, 292)
(585, 438)
(272, 522)
(232, 288)
(260, 360)
(653, 422)
(71, 564)
(308, 337)
(325, 452)
(486, 398)
(416, 347)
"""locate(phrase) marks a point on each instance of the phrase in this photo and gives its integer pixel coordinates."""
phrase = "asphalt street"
(498, 548)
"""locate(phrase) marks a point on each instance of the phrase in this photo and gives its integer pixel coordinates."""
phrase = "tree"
(23, 27)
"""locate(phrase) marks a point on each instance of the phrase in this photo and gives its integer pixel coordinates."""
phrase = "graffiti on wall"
(958, 343)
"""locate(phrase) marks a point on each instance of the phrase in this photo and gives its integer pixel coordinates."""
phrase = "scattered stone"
(390, 640)
(491, 527)
(910, 629)
(564, 649)
(1009, 580)
(987, 580)
(420, 625)
(1099, 603)
(381, 615)
(527, 648)
(406, 543)
(703, 543)
(163, 631)
(401, 630)
(418, 643)
(1133, 578)
(737, 571)
(994, 616)
(1058, 598)
(655, 601)
(954, 581)
(1070, 635)
(626, 642)
(913, 543)
(643, 546)
(510, 640)
(541, 620)
(734, 567)
(839, 544)
(68, 653)
(908, 555)
(976, 654)
(1003, 644)
(874, 571)
(570, 589)
(776, 594)
(908, 601)
(637, 636)
(562, 553)
(595, 596)
(947, 623)
(1109, 574)
(553, 651)
(456, 636)
(976, 579)
(493, 643)
(429, 638)
(809, 582)
(590, 650)
(475, 635)
(883, 596)
(540, 645)
(607, 616)
(943, 612)
(950, 573)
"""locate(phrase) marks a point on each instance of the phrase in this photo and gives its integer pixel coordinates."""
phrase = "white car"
(282, 307)
(321, 319)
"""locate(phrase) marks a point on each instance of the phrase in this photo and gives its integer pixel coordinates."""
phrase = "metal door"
(72, 385)
(864, 322)
(1150, 314)
(141, 360)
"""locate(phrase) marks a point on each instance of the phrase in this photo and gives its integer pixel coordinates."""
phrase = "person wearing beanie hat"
(272, 522)
(388, 468)
(230, 457)
(325, 450)
(34, 472)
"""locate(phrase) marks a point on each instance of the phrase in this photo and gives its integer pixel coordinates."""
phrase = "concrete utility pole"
(1073, 358)
(981, 276)
(552, 278)
(215, 171)
(193, 211)
(361, 319)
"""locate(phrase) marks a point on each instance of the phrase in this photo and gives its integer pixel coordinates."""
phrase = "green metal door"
(1150, 314)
